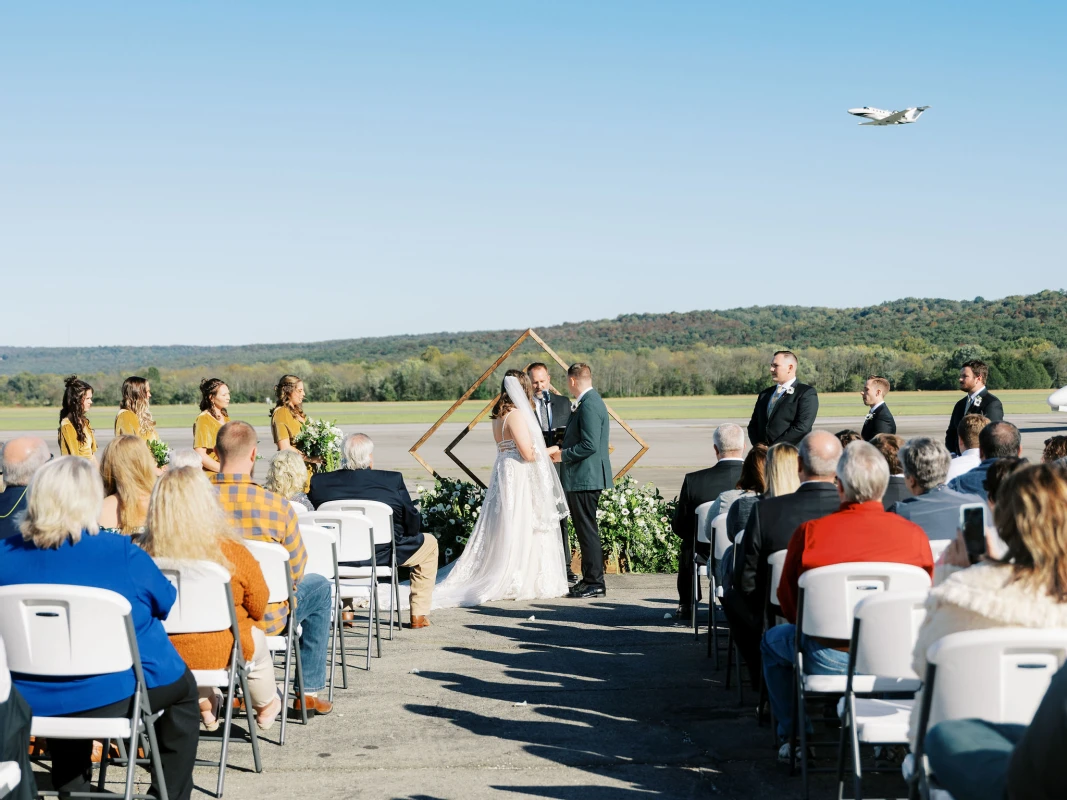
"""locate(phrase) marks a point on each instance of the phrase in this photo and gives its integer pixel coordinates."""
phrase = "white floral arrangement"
(449, 511)
(320, 439)
(160, 452)
(635, 527)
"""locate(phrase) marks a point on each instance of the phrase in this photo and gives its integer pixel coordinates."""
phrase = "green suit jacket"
(584, 453)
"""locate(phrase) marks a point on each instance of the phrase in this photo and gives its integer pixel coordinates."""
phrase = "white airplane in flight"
(879, 116)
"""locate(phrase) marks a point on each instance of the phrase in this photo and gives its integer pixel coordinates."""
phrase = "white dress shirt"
(777, 393)
(964, 462)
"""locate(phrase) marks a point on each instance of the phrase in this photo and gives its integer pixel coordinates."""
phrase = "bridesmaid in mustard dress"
(135, 416)
(214, 400)
(76, 437)
(288, 417)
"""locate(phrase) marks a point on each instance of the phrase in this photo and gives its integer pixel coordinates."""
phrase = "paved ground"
(675, 446)
(614, 702)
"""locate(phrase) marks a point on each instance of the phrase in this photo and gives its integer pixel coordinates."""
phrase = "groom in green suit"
(585, 472)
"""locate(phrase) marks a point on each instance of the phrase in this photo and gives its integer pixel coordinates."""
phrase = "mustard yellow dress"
(128, 424)
(205, 431)
(68, 440)
(285, 425)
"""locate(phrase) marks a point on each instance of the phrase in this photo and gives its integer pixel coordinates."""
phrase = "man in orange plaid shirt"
(263, 516)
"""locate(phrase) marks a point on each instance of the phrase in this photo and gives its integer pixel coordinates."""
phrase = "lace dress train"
(515, 551)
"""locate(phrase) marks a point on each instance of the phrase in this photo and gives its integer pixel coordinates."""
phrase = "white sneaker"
(783, 753)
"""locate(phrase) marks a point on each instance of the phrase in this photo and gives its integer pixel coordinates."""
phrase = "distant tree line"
(645, 372)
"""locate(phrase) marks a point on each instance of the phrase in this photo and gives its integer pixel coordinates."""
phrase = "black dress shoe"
(683, 612)
(572, 578)
(585, 590)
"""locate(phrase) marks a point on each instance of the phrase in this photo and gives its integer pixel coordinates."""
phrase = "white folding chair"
(273, 559)
(10, 777)
(205, 604)
(884, 631)
(995, 674)
(56, 631)
(321, 546)
(939, 546)
(701, 567)
(825, 605)
(355, 543)
(381, 518)
(716, 535)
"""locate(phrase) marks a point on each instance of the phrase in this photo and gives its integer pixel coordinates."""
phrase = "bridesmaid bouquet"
(320, 439)
(160, 451)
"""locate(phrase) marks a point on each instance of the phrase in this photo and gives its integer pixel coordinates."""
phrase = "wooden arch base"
(528, 334)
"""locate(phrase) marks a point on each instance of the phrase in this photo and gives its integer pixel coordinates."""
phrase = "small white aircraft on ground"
(1058, 399)
(879, 116)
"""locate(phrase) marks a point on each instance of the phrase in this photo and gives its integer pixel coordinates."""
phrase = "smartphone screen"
(972, 523)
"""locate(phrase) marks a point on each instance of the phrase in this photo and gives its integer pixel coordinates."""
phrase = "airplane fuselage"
(879, 116)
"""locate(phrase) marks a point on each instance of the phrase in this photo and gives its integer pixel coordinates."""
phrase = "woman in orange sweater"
(186, 521)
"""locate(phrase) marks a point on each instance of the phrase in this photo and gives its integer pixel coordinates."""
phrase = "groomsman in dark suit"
(553, 412)
(973, 376)
(786, 411)
(878, 419)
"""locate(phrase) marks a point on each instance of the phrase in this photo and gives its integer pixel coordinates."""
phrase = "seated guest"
(997, 440)
(76, 437)
(262, 516)
(847, 437)
(781, 470)
(359, 480)
(129, 472)
(934, 507)
(16, 721)
(287, 476)
(860, 531)
(61, 544)
(1023, 589)
(21, 458)
(185, 521)
(1055, 449)
(998, 473)
(991, 761)
(770, 528)
(183, 457)
(969, 458)
(738, 504)
(889, 444)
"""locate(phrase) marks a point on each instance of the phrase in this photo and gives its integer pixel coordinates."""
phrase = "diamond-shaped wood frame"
(528, 334)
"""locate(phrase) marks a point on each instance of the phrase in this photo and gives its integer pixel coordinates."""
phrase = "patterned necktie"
(775, 398)
(544, 415)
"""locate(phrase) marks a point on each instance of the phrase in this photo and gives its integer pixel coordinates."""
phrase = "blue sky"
(209, 173)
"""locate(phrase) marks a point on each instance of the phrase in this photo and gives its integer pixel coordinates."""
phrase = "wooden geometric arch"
(528, 334)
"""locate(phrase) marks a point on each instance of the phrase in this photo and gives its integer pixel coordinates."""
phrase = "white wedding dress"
(515, 551)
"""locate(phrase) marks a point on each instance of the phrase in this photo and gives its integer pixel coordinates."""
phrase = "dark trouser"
(970, 757)
(685, 570)
(177, 734)
(566, 545)
(746, 629)
(583, 513)
(15, 721)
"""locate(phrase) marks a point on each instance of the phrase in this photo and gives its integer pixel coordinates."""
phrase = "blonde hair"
(1031, 517)
(186, 519)
(287, 474)
(135, 399)
(129, 472)
(63, 500)
(781, 471)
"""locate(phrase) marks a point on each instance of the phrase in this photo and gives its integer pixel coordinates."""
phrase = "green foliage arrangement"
(160, 451)
(320, 439)
(449, 511)
(635, 527)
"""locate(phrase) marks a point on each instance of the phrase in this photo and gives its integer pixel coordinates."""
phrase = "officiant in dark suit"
(585, 473)
(973, 377)
(704, 486)
(553, 412)
(879, 419)
(360, 481)
(786, 411)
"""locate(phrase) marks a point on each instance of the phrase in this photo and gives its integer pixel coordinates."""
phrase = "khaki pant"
(261, 683)
(423, 566)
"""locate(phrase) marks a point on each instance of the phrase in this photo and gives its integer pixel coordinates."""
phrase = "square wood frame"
(528, 334)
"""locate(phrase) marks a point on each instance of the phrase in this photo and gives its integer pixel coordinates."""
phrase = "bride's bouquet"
(322, 440)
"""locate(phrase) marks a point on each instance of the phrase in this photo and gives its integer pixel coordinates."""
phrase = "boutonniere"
(869, 417)
(574, 406)
(977, 401)
(789, 390)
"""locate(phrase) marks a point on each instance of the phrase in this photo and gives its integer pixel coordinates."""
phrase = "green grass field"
(904, 404)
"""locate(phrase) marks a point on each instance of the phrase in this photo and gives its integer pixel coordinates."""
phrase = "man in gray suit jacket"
(585, 472)
(935, 508)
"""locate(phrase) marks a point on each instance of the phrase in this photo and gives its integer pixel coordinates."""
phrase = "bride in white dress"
(515, 551)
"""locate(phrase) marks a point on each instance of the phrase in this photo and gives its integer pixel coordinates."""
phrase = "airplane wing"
(893, 118)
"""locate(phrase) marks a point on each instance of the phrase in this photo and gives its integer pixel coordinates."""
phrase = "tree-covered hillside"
(910, 325)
